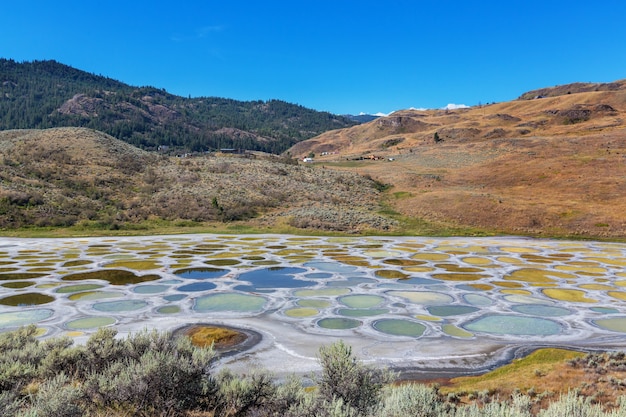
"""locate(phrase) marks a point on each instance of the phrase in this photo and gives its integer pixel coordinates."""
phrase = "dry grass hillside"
(81, 177)
(554, 165)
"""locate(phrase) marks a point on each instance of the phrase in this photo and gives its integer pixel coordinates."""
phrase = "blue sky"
(338, 56)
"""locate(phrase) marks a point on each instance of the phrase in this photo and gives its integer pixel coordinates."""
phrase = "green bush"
(344, 377)
(56, 397)
(416, 400)
(150, 372)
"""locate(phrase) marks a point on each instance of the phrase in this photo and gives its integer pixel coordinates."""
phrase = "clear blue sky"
(337, 56)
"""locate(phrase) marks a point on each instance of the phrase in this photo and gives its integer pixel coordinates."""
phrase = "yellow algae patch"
(597, 287)
(285, 252)
(321, 246)
(428, 318)
(608, 261)
(477, 249)
(581, 269)
(454, 331)
(583, 263)
(617, 294)
(517, 249)
(476, 260)
(537, 276)
(79, 262)
(537, 259)
(517, 292)
(142, 265)
(48, 285)
(450, 248)
(94, 295)
(40, 269)
(301, 312)
(418, 269)
(299, 259)
(266, 262)
(225, 255)
(353, 260)
(576, 296)
(74, 334)
(403, 262)
(222, 261)
(202, 336)
(482, 287)
(390, 273)
(179, 265)
(459, 277)
(510, 260)
(381, 253)
(406, 247)
(431, 256)
(43, 263)
(506, 284)
(457, 268)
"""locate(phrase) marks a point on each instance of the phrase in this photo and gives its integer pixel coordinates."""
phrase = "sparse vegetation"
(154, 374)
(101, 183)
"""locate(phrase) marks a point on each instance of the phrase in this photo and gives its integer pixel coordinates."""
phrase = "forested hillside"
(44, 94)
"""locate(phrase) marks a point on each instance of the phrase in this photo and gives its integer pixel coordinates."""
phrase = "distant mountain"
(578, 108)
(573, 88)
(361, 118)
(44, 94)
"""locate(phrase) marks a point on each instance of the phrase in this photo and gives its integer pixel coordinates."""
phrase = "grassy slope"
(88, 181)
(548, 167)
(546, 374)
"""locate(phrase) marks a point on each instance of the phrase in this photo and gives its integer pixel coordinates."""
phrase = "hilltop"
(552, 162)
(45, 94)
(82, 177)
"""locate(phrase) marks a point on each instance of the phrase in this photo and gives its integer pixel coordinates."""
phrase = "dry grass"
(544, 375)
(85, 179)
(521, 167)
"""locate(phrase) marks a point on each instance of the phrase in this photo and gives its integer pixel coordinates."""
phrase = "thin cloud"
(199, 33)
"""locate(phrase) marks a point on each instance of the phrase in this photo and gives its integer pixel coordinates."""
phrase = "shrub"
(571, 405)
(9, 403)
(416, 400)
(151, 373)
(344, 377)
(240, 396)
(56, 397)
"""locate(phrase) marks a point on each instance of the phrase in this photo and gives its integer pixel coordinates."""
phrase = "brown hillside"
(76, 176)
(554, 165)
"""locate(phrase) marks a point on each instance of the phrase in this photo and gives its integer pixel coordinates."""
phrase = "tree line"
(45, 94)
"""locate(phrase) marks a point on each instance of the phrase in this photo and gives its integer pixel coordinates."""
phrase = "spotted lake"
(402, 301)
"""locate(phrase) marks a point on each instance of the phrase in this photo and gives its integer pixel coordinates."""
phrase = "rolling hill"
(85, 178)
(45, 94)
(552, 162)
